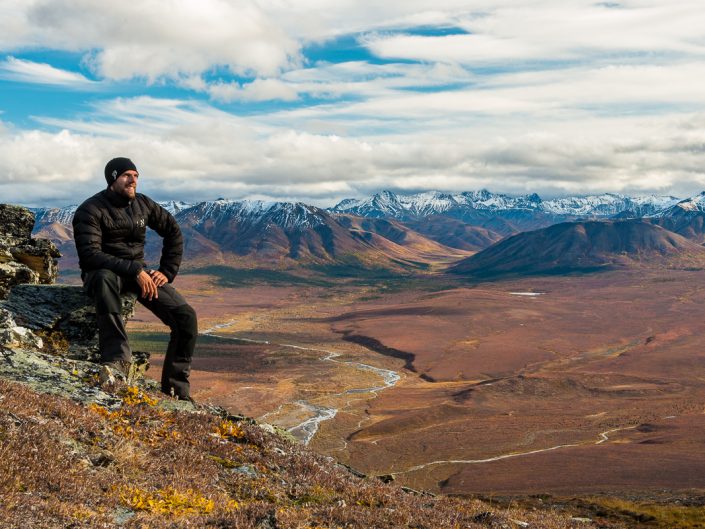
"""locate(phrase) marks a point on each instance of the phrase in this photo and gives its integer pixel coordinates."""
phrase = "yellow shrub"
(229, 430)
(132, 396)
(167, 501)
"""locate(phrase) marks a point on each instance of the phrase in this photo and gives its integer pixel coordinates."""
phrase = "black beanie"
(116, 167)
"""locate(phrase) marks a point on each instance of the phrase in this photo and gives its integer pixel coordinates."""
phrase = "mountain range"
(416, 232)
(280, 234)
(389, 204)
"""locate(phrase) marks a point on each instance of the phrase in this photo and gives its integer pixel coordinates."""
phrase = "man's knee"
(104, 274)
(104, 286)
(98, 281)
(186, 321)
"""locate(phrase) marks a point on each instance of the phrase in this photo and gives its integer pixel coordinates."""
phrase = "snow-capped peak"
(388, 204)
(288, 215)
(174, 206)
(48, 215)
(696, 203)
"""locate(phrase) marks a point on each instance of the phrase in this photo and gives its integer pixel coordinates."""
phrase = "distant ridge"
(458, 234)
(582, 246)
(686, 218)
(260, 233)
(48, 215)
(489, 216)
(281, 232)
(390, 204)
(388, 230)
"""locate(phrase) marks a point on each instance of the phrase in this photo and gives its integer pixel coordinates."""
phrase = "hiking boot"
(188, 399)
(111, 372)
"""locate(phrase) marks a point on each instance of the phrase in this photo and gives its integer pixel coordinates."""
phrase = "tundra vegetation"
(139, 464)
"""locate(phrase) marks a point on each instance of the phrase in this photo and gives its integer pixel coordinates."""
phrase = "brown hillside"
(455, 233)
(583, 246)
(322, 238)
(689, 224)
(141, 466)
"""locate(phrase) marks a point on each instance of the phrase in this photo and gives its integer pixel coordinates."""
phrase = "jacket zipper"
(128, 210)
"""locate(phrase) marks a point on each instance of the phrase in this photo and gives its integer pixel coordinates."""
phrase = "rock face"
(23, 259)
(61, 317)
(48, 334)
(16, 223)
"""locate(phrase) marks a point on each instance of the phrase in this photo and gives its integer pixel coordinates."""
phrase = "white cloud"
(152, 39)
(554, 31)
(257, 90)
(318, 20)
(34, 72)
(172, 38)
(549, 96)
(469, 49)
(509, 101)
(192, 151)
(362, 79)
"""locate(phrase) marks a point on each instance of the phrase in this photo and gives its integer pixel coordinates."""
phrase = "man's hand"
(148, 286)
(158, 278)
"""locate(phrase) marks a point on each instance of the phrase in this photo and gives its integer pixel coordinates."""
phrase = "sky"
(317, 100)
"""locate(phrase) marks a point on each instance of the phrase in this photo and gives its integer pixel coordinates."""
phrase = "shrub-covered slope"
(142, 465)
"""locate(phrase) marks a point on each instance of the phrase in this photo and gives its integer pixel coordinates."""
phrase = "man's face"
(126, 184)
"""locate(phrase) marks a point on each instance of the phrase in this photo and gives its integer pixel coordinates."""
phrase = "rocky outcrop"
(16, 223)
(15, 336)
(61, 317)
(23, 259)
(48, 332)
(54, 319)
(49, 341)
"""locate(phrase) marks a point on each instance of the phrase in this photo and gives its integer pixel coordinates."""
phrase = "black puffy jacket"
(109, 230)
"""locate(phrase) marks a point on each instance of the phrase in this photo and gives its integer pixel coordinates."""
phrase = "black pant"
(105, 287)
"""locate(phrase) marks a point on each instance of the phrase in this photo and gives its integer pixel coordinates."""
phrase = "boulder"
(62, 316)
(16, 224)
(15, 336)
(40, 256)
(23, 259)
(13, 273)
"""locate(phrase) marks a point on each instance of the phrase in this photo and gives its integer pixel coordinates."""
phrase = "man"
(109, 229)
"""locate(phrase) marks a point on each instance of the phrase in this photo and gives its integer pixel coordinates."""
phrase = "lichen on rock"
(14, 336)
(15, 273)
(17, 223)
(47, 373)
(22, 258)
(64, 316)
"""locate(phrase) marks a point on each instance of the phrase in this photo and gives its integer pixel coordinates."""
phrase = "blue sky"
(318, 101)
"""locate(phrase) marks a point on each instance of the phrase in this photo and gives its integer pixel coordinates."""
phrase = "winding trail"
(306, 430)
(604, 436)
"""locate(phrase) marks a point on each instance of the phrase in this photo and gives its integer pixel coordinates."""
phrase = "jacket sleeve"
(164, 223)
(88, 235)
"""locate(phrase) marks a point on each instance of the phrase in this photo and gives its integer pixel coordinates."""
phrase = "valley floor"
(573, 385)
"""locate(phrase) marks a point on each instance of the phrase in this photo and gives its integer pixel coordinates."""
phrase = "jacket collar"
(116, 200)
